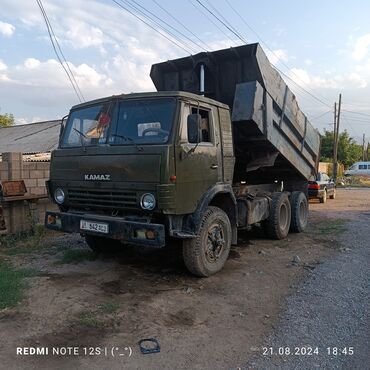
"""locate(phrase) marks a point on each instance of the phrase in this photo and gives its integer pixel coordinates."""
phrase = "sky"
(322, 47)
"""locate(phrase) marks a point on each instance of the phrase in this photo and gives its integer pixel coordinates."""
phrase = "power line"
(229, 28)
(320, 115)
(153, 18)
(359, 120)
(211, 20)
(168, 25)
(181, 24)
(302, 88)
(350, 125)
(359, 113)
(55, 45)
(226, 21)
(150, 26)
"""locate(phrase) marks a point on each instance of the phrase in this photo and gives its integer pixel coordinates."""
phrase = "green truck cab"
(143, 168)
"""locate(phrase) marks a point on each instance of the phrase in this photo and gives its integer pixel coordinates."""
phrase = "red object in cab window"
(104, 119)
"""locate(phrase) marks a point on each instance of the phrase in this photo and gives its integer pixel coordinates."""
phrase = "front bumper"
(132, 232)
(315, 193)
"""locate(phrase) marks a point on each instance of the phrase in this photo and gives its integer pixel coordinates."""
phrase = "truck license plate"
(94, 226)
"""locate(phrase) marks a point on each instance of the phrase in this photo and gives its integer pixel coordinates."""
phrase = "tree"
(6, 120)
(348, 150)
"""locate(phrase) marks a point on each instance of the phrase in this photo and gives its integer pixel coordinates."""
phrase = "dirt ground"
(112, 302)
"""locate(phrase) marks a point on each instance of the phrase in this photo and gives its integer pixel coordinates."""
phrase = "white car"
(359, 169)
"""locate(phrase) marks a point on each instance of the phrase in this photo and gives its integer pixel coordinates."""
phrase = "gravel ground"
(330, 309)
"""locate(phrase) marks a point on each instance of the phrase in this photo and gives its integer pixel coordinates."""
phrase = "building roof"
(39, 137)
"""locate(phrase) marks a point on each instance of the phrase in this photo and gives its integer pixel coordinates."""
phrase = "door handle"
(214, 166)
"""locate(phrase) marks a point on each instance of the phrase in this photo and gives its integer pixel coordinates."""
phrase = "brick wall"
(21, 215)
(3, 171)
(34, 175)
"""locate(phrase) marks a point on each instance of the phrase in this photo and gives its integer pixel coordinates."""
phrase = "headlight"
(147, 201)
(59, 195)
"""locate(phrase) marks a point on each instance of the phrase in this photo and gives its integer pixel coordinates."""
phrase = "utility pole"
(336, 139)
(363, 147)
(335, 136)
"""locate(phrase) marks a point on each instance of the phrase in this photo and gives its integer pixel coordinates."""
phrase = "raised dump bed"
(273, 139)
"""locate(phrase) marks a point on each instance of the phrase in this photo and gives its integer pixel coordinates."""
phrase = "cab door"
(197, 165)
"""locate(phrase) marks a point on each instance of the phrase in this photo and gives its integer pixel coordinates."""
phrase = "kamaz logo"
(97, 177)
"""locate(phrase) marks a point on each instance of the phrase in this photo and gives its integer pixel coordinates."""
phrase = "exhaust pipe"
(201, 80)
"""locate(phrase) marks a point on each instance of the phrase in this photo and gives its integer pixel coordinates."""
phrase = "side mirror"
(193, 128)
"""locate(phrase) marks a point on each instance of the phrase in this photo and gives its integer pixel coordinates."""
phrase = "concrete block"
(30, 183)
(4, 175)
(15, 175)
(36, 174)
(30, 165)
(10, 157)
(25, 174)
(16, 165)
(42, 166)
(40, 182)
(38, 190)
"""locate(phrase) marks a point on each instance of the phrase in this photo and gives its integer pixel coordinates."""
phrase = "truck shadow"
(169, 260)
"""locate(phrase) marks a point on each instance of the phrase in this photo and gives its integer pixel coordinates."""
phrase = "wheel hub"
(215, 242)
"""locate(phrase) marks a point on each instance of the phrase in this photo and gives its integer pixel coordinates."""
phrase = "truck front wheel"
(278, 223)
(101, 245)
(299, 205)
(207, 253)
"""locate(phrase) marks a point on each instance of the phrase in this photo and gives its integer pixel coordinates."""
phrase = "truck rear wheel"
(299, 206)
(278, 224)
(207, 253)
(101, 245)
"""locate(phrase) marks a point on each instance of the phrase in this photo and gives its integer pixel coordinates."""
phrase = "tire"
(207, 253)
(324, 198)
(332, 196)
(299, 206)
(99, 244)
(278, 224)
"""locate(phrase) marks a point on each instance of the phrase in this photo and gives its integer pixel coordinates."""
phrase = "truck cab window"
(143, 121)
(88, 126)
(205, 129)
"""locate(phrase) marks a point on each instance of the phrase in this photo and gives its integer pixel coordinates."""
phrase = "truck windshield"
(126, 122)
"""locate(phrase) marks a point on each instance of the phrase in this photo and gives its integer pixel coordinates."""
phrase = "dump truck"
(220, 146)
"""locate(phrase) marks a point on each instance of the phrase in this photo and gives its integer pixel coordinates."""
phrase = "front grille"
(102, 199)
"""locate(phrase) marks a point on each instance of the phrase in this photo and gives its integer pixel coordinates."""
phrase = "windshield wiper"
(82, 135)
(130, 139)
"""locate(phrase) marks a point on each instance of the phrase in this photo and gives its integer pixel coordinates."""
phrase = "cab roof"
(154, 94)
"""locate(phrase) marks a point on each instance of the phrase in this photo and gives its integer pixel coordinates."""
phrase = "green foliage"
(23, 243)
(332, 226)
(76, 256)
(109, 307)
(6, 120)
(348, 150)
(88, 318)
(12, 284)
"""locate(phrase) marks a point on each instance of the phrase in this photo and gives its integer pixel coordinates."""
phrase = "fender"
(192, 221)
